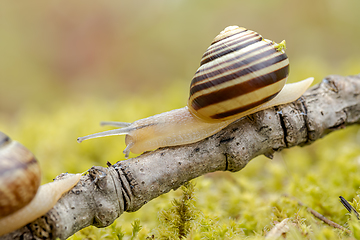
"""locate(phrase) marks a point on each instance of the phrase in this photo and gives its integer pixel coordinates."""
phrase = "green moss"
(176, 222)
(112, 232)
(220, 205)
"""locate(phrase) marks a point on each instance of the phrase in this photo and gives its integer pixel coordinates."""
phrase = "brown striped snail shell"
(22, 199)
(19, 176)
(240, 73)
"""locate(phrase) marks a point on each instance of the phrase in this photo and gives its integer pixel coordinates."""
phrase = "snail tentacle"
(127, 149)
(115, 124)
(113, 132)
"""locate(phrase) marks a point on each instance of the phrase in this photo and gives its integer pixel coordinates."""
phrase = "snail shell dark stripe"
(240, 41)
(239, 71)
(213, 78)
(19, 176)
(224, 34)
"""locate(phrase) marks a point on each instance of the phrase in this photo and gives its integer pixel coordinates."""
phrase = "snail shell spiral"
(238, 72)
(19, 176)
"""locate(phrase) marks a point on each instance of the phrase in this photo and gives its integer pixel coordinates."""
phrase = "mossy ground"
(220, 205)
(66, 67)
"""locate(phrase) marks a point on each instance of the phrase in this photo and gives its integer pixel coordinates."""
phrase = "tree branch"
(105, 193)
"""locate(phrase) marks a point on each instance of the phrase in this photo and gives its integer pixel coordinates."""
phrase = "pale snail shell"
(21, 198)
(240, 73)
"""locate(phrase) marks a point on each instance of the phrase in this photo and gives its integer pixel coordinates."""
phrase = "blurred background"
(51, 51)
(66, 66)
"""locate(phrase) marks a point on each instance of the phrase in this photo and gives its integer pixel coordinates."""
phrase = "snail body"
(21, 199)
(240, 73)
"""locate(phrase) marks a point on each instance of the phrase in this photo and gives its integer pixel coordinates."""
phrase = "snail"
(21, 199)
(240, 73)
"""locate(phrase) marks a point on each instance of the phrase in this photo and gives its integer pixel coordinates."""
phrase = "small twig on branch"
(348, 207)
(105, 193)
(321, 217)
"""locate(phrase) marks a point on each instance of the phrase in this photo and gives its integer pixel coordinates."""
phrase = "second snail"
(22, 199)
(240, 73)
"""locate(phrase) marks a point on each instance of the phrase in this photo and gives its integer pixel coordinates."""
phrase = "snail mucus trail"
(240, 73)
(21, 199)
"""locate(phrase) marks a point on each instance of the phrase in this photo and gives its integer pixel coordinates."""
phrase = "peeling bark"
(104, 194)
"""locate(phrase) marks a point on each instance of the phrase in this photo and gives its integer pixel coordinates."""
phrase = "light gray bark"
(105, 193)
